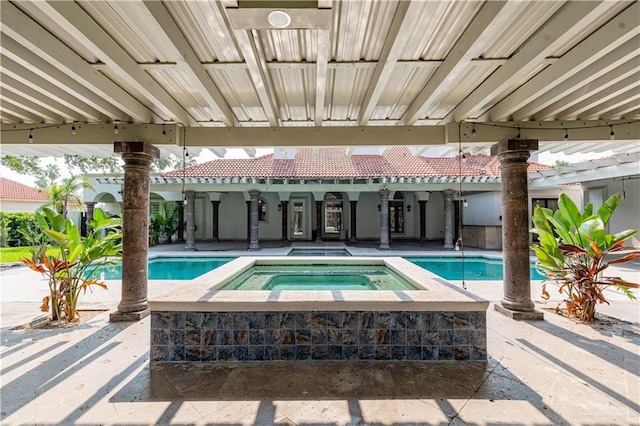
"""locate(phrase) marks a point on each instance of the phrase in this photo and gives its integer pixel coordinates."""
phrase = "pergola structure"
(159, 77)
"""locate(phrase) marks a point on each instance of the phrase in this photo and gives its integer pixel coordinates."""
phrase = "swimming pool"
(475, 268)
(171, 268)
(449, 268)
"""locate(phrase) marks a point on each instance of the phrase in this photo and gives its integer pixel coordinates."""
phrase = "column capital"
(448, 193)
(514, 145)
(254, 193)
(136, 148)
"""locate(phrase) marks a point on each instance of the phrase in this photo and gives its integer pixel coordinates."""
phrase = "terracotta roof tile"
(11, 190)
(310, 163)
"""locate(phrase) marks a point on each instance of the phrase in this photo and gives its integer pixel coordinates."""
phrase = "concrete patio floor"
(554, 371)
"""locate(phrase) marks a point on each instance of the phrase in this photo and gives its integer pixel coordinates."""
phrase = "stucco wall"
(10, 206)
(627, 215)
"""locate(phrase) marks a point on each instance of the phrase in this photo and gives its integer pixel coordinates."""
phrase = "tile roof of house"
(310, 163)
(11, 190)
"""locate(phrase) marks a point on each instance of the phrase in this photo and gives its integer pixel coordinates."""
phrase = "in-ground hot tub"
(425, 319)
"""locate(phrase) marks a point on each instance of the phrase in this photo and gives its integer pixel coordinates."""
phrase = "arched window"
(262, 210)
(396, 213)
(332, 212)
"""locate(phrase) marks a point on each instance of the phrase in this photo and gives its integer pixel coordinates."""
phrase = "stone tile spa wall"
(306, 336)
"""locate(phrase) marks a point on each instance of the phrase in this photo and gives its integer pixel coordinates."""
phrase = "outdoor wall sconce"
(280, 206)
(408, 207)
(378, 207)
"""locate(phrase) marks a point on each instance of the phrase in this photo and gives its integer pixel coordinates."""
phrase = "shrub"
(12, 226)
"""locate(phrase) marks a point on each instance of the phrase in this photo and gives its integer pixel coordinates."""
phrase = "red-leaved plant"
(572, 252)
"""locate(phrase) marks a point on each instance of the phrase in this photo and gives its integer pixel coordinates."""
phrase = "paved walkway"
(554, 371)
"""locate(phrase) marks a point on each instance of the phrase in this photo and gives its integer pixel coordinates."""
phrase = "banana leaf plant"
(72, 272)
(572, 253)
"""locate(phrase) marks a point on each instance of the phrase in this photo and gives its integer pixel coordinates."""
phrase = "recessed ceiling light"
(279, 19)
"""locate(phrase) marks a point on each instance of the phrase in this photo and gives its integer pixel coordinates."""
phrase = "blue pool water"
(450, 268)
(175, 268)
(475, 268)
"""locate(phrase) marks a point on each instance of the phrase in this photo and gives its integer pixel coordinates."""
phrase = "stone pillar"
(513, 155)
(384, 219)
(423, 220)
(449, 218)
(137, 157)
(318, 221)
(90, 206)
(284, 209)
(353, 222)
(248, 220)
(180, 205)
(215, 225)
(191, 220)
(253, 236)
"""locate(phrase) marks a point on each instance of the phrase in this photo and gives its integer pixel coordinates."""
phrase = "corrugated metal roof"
(134, 62)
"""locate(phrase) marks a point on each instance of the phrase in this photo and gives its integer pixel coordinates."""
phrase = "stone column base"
(519, 315)
(118, 316)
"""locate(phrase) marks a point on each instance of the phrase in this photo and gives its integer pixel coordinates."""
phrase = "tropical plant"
(572, 253)
(164, 225)
(72, 272)
(65, 194)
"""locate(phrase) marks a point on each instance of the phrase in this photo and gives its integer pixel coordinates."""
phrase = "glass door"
(298, 219)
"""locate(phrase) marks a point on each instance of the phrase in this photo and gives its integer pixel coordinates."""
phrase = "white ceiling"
(208, 69)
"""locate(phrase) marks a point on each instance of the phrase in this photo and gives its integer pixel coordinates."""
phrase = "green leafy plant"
(164, 225)
(35, 238)
(572, 252)
(72, 272)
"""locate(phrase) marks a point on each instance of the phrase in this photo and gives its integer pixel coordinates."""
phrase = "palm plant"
(65, 194)
(572, 252)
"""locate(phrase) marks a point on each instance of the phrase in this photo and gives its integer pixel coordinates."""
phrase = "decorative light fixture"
(408, 207)
(30, 136)
(279, 19)
(566, 134)
(280, 206)
(473, 130)
(73, 128)
(115, 127)
(465, 202)
(518, 135)
(612, 135)
(164, 132)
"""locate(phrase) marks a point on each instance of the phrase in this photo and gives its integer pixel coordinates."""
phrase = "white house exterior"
(17, 197)
(338, 194)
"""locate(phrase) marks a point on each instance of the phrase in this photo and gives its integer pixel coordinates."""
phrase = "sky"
(206, 155)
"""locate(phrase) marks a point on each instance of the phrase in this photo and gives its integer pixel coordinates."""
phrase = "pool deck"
(554, 371)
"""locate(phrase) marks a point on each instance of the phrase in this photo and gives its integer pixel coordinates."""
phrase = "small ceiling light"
(279, 19)
(115, 128)
(612, 135)
(73, 128)
(30, 136)
(164, 132)
(566, 134)
(473, 131)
